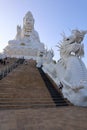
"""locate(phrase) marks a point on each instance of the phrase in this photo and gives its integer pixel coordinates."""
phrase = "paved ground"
(62, 118)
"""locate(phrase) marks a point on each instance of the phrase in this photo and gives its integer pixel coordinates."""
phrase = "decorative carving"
(18, 35)
(71, 69)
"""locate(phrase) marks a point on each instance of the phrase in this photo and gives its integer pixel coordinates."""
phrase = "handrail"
(8, 69)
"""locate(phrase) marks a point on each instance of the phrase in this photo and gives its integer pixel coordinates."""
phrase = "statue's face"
(28, 25)
(29, 22)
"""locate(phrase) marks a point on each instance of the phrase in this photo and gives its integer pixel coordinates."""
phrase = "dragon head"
(72, 45)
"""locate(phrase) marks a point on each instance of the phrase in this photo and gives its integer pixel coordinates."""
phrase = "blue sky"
(52, 17)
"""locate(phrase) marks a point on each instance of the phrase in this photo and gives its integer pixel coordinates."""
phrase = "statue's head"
(28, 23)
(72, 44)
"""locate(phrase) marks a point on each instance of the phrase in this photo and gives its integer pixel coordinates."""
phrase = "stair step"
(26, 101)
(30, 105)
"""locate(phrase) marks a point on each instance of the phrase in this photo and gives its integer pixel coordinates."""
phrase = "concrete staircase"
(28, 87)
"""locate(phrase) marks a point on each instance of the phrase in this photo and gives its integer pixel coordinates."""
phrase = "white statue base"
(24, 49)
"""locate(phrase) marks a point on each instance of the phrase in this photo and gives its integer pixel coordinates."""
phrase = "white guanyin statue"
(70, 71)
(26, 42)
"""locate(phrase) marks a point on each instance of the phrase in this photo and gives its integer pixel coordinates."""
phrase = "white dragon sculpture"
(70, 71)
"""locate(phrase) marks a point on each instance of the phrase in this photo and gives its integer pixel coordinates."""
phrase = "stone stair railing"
(56, 96)
(8, 69)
